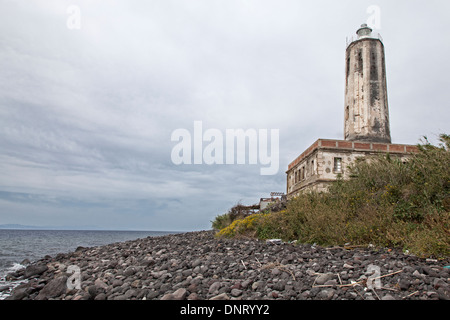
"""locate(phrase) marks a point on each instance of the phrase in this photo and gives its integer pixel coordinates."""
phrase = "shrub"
(241, 227)
(237, 212)
(385, 202)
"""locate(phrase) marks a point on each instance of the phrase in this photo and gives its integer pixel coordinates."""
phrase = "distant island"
(25, 227)
(16, 226)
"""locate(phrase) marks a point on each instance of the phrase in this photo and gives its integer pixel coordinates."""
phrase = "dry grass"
(384, 203)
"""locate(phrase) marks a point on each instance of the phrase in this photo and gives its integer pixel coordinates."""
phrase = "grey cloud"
(86, 115)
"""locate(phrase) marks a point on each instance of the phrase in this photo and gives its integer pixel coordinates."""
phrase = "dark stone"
(35, 270)
(444, 293)
(92, 290)
(404, 284)
(430, 272)
(54, 288)
(279, 286)
(129, 271)
(203, 264)
(4, 288)
(117, 283)
(130, 293)
(19, 294)
(152, 294)
(100, 296)
(326, 294)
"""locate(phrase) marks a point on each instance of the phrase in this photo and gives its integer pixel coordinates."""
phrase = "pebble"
(326, 294)
(198, 266)
(180, 294)
(321, 279)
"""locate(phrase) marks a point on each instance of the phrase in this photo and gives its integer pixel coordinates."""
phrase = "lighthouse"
(366, 126)
(366, 101)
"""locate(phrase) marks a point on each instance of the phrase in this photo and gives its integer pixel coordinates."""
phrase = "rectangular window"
(338, 165)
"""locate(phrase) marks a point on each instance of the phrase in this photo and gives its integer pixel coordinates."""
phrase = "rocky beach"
(198, 266)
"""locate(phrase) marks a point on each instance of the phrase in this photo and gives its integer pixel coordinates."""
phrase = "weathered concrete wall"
(304, 173)
(317, 167)
(366, 102)
(316, 171)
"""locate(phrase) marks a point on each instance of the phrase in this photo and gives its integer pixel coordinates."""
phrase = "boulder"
(321, 279)
(222, 296)
(35, 270)
(54, 288)
(326, 294)
(180, 294)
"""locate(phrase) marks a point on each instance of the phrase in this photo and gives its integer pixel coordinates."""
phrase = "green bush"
(385, 202)
(237, 212)
(222, 221)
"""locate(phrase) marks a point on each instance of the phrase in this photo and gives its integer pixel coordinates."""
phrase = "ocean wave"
(8, 269)
(15, 267)
(7, 286)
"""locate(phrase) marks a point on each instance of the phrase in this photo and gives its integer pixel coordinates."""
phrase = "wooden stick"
(373, 289)
(287, 270)
(409, 295)
(337, 285)
(315, 283)
(354, 247)
(244, 264)
(355, 283)
(340, 281)
(387, 275)
(391, 289)
(359, 294)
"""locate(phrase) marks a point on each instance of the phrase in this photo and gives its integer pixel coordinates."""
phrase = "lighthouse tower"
(367, 132)
(366, 102)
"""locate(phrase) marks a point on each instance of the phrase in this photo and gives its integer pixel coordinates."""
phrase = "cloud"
(86, 115)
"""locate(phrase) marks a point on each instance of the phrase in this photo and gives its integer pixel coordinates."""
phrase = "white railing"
(349, 40)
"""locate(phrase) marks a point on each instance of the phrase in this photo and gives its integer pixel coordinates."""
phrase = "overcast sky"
(91, 91)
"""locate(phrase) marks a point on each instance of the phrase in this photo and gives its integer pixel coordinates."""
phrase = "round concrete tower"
(366, 103)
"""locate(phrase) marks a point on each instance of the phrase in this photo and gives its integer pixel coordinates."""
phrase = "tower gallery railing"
(351, 39)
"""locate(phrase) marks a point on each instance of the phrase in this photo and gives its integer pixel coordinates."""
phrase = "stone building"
(366, 123)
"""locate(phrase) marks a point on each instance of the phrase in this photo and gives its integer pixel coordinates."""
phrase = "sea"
(18, 245)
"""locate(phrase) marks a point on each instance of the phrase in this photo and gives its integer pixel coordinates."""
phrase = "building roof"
(345, 145)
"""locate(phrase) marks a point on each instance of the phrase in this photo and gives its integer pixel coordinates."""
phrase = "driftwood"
(354, 283)
(280, 266)
(409, 295)
(363, 283)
